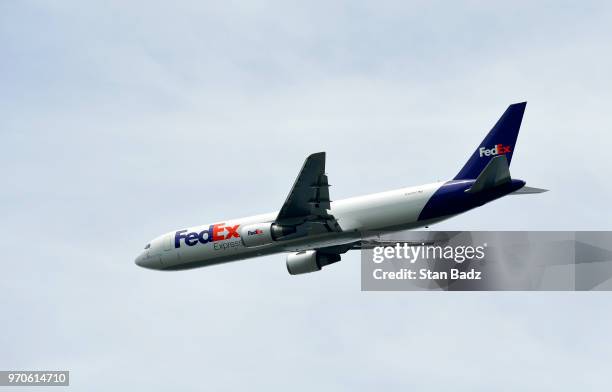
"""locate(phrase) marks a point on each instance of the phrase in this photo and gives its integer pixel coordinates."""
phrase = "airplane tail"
(499, 141)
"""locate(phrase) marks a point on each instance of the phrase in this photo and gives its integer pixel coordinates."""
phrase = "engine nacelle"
(256, 235)
(259, 234)
(309, 261)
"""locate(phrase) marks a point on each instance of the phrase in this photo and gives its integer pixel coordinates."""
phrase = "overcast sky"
(123, 121)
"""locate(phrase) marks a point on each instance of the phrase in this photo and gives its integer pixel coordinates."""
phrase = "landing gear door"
(167, 242)
(168, 254)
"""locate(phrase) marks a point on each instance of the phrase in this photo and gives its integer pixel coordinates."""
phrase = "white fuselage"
(320, 230)
(379, 212)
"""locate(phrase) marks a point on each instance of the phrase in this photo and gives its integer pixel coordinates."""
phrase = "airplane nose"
(147, 262)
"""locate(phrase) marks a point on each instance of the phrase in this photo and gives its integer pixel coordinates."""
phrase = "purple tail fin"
(499, 141)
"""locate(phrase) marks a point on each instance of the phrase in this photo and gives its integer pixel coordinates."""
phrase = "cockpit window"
(147, 246)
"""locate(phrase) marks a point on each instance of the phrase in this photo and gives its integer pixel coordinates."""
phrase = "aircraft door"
(167, 242)
(169, 255)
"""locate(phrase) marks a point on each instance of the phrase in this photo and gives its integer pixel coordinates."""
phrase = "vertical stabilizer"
(499, 141)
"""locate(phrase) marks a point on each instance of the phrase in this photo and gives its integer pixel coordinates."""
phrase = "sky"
(124, 120)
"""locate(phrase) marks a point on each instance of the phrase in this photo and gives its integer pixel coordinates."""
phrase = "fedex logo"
(256, 232)
(496, 150)
(216, 232)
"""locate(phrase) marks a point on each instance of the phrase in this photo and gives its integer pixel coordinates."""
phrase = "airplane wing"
(308, 201)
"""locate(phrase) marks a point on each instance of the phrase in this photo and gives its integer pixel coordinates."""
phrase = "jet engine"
(259, 234)
(309, 261)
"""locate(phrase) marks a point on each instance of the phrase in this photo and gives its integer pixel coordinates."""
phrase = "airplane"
(316, 231)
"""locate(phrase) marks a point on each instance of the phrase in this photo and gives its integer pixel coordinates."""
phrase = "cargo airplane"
(315, 231)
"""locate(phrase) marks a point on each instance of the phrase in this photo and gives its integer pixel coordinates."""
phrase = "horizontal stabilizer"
(495, 173)
(527, 190)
